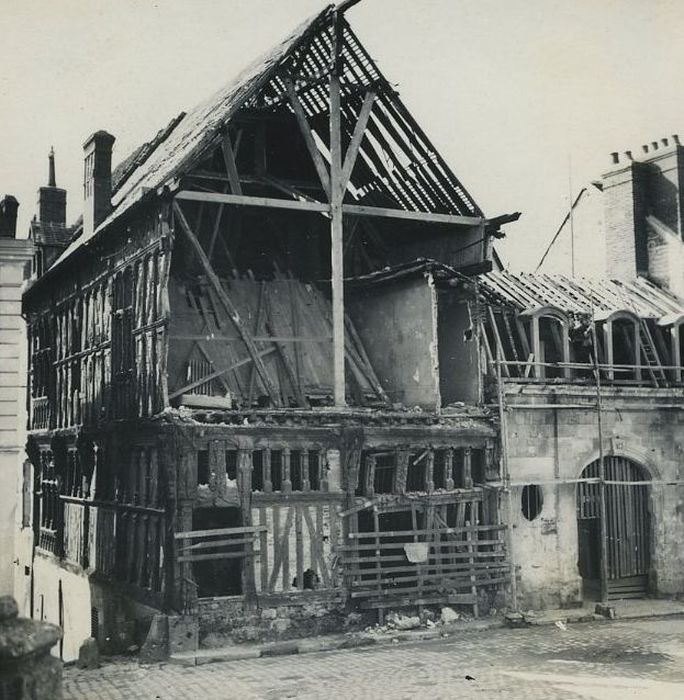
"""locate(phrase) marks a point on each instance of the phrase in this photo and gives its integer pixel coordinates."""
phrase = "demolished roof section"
(527, 291)
(398, 167)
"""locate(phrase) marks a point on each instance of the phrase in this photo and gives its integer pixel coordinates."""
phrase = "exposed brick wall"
(620, 202)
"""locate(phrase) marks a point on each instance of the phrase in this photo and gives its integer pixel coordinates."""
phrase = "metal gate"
(627, 528)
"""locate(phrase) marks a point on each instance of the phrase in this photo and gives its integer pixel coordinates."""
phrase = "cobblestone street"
(601, 660)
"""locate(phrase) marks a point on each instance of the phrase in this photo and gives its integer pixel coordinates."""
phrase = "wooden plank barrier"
(460, 561)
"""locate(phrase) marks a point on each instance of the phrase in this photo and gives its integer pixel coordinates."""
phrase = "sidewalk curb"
(330, 643)
(357, 640)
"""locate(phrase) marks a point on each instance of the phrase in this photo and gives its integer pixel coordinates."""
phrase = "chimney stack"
(665, 142)
(645, 147)
(97, 180)
(675, 138)
(8, 216)
(629, 155)
(654, 145)
(616, 157)
(52, 199)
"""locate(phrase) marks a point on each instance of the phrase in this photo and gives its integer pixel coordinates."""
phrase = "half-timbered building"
(217, 435)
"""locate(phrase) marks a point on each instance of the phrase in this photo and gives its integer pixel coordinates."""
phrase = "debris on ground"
(449, 615)
(561, 625)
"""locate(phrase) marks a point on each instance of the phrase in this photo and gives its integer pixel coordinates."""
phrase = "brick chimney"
(52, 199)
(644, 206)
(626, 237)
(8, 216)
(97, 180)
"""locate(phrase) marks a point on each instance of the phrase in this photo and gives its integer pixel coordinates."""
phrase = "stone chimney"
(97, 180)
(8, 216)
(52, 199)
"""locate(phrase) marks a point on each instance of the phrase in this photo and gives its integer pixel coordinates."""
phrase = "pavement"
(600, 660)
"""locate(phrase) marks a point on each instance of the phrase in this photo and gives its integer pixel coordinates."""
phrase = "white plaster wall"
(77, 599)
(13, 256)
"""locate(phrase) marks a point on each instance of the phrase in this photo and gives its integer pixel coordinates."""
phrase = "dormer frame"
(608, 321)
(534, 316)
(673, 323)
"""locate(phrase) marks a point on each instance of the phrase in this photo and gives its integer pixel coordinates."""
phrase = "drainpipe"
(602, 468)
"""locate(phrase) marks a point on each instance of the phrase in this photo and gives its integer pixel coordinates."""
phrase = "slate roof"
(51, 234)
(579, 296)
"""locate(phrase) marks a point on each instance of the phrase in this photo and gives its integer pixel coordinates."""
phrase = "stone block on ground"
(183, 633)
(88, 654)
(156, 645)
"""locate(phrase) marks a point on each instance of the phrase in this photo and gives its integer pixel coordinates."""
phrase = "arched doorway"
(628, 528)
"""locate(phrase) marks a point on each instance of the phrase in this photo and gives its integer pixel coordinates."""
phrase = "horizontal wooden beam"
(247, 201)
(349, 209)
(427, 217)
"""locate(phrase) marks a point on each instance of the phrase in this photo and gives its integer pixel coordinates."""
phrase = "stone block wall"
(551, 447)
(275, 617)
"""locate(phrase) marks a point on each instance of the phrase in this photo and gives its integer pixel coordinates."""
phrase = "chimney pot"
(615, 156)
(97, 179)
(675, 138)
(665, 142)
(654, 145)
(8, 216)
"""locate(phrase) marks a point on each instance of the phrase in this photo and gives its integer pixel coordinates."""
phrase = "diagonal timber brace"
(357, 137)
(227, 304)
(304, 127)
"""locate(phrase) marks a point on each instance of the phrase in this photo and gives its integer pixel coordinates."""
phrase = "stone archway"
(628, 528)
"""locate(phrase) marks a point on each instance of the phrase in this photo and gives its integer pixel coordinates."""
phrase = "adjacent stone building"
(15, 254)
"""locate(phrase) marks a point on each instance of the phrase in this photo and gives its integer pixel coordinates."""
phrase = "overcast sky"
(510, 91)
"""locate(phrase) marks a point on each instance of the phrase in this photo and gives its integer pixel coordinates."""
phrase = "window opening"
(277, 470)
(415, 476)
(257, 470)
(314, 471)
(203, 467)
(384, 473)
(532, 501)
(296, 470)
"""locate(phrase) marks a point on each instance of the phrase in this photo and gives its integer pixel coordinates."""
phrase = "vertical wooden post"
(266, 466)
(286, 485)
(676, 352)
(449, 468)
(467, 468)
(430, 471)
(336, 221)
(244, 470)
(304, 469)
